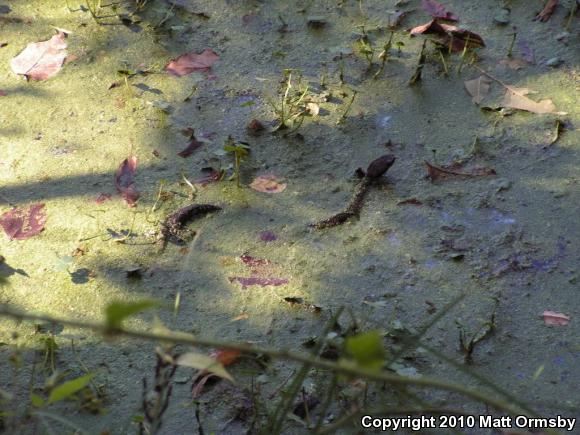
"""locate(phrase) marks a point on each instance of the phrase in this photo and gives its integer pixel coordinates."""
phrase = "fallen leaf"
(449, 35)
(211, 176)
(553, 318)
(514, 64)
(41, 60)
(267, 236)
(435, 172)
(546, 13)
(515, 98)
(268, 183)
(478, 88)
(190, 62)
(20, 224)
(3, 93)
(437, 10)
(190, 148)
(102, 198)
(255, 126)
(225, 356)
(263, 273)
(125, 183)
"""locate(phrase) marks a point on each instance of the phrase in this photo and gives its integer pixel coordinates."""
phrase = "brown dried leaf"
(478, 88)
(546, 13)
(515, 98)
(435, 172)
(125, 183)
(515, 64)
(553, 318)
(190, 62)
(41, 60)
(20, 224)
(449, 35)
(268, 183)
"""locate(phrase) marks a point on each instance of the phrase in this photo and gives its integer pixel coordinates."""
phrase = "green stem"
(337, 367)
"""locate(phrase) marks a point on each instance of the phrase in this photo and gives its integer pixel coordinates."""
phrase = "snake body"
(375, 170)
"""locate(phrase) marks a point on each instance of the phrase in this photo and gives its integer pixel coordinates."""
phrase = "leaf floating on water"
(553, 318)
(437, 10)
(546, 13)
(436, 172)
(20, 224)
(449, 35)
(41, 60)
(515, 98)
(191, 62)
(515, 64)
(478, 88)
(125, 183)
(268, 183)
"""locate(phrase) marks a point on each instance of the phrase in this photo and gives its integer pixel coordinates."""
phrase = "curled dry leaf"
(125, 183)
(441, 172)
(268, 183)
(449, 35)
(437, 10)
(190, 62)
(478, 88)
(20, 224)
(553, 318)
(41, 60)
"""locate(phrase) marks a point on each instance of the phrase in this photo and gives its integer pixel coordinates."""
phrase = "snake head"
(379, 166)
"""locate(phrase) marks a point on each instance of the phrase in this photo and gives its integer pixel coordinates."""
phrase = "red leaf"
(225, 356)
(437, 10)
(41, 60)
(190, 62)
(3, 93)
(20, 224)
(190, 148)
(125, 183)
(553, 318)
